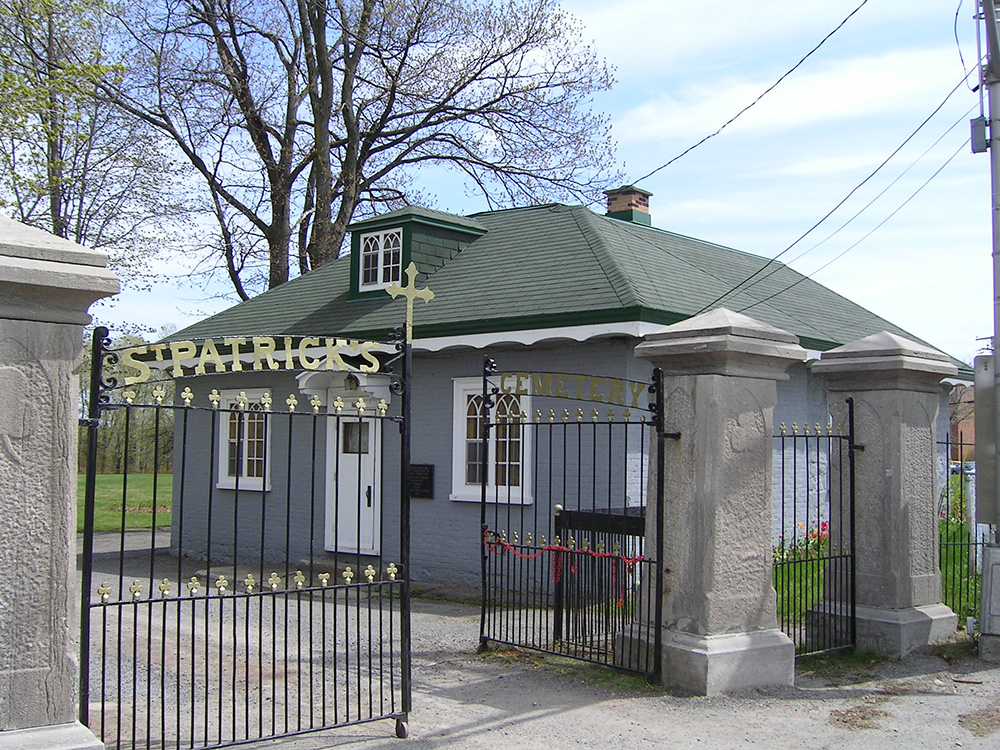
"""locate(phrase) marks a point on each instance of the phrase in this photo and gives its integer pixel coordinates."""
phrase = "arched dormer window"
(381, 259)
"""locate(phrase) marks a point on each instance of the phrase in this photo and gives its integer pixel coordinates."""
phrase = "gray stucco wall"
(224, 525)
(445, 533)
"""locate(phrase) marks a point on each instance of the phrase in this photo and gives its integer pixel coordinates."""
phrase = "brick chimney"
(629, 203)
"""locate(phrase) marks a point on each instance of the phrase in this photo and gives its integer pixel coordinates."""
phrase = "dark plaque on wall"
(422, 481)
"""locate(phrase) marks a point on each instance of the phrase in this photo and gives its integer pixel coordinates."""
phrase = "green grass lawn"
(799, 582)
(138, 501)
(798, 585)
(960, 580)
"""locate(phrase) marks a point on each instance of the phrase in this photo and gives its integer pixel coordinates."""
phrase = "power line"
(870, 203)
(842, 201)
(866, 236)
(961, 57)
(767, 91)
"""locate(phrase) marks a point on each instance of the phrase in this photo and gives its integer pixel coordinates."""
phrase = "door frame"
(356, 469)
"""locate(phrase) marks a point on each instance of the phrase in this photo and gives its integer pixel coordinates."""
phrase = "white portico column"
(720, 629)
(896, 387)
(46, 286)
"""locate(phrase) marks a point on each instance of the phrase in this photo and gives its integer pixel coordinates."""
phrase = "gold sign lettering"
(580, 387)
(595, 394)
(208, 356)
(366, 354)
(234, 345)
(209, 351)
(127, 360)
(541, 383)
(179, 351)
(308, 362)
(263, 346)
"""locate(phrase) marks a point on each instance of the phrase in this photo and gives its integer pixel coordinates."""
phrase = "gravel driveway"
(942, 697)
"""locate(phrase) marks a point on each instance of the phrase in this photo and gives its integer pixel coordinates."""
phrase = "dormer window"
(381, 259)
(382, 246)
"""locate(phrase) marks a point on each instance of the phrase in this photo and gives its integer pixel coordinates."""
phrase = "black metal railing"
(812, 537)
(960, 538)
(237, 595)
(566, 567)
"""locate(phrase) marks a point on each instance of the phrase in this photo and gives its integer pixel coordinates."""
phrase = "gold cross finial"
(411, 292)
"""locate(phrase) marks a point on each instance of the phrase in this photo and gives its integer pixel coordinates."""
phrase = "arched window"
(507, 451)
(506, 465)
(243, 439)
(381, 259)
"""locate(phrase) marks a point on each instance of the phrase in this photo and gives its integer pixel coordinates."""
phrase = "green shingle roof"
(426, 215)
(555, 265)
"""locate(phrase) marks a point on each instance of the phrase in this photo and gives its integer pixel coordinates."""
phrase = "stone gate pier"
(895, 385)
(720, 628)
(46, 286)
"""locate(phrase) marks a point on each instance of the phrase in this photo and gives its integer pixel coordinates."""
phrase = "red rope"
(499, 545)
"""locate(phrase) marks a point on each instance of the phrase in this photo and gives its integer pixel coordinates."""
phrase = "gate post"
(895, 384)
(46, 286)
(719, 620)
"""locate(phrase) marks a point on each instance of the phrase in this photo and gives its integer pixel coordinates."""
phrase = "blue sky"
(684, 67)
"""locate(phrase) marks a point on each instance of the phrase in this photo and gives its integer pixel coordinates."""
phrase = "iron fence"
(242, 594)
(960, 538)
(813, 529)
(566, 567)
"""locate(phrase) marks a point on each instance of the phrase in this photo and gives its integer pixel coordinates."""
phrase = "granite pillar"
(46, 286)
(720, 629)
(895, 385)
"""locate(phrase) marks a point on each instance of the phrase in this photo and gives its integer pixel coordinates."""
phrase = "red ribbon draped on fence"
(498, 545)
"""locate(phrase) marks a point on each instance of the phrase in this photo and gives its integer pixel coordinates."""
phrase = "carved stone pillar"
(46, 286)
(896, 387)
(719, 621)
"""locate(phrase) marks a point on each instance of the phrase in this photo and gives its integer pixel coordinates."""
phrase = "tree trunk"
(53, 136)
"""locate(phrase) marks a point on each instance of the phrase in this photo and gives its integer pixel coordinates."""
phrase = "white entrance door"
(353, 504)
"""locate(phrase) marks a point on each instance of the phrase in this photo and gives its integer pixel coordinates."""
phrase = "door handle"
(368, 495)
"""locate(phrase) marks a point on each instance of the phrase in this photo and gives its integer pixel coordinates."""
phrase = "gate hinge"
(671, 435)
(84, 422)
(858, 447)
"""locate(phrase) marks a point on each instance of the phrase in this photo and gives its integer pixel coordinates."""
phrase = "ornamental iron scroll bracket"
(397, 382)
(397, 337)
(656, 406)
(101, 383)
(490, 367)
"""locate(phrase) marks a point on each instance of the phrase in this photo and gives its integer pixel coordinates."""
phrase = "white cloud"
(645, 38)
(860, 87)
(817, 166)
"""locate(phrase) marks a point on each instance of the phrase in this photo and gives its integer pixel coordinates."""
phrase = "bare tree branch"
(310, 109)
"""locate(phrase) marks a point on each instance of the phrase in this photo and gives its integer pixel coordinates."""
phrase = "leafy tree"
(70, 162)
(299, 113)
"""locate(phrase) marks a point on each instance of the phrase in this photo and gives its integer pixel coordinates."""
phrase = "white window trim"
(362, 286)
(472, 493)
(224, 481)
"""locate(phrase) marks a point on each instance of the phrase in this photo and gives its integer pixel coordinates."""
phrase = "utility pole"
(988, 501)
(990, 78)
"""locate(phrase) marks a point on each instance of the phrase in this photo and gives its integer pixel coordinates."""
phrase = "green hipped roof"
(555, 265)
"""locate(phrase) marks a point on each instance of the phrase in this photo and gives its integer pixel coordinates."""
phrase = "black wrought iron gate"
(567, 566)
(233, 590)
(813, 535)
